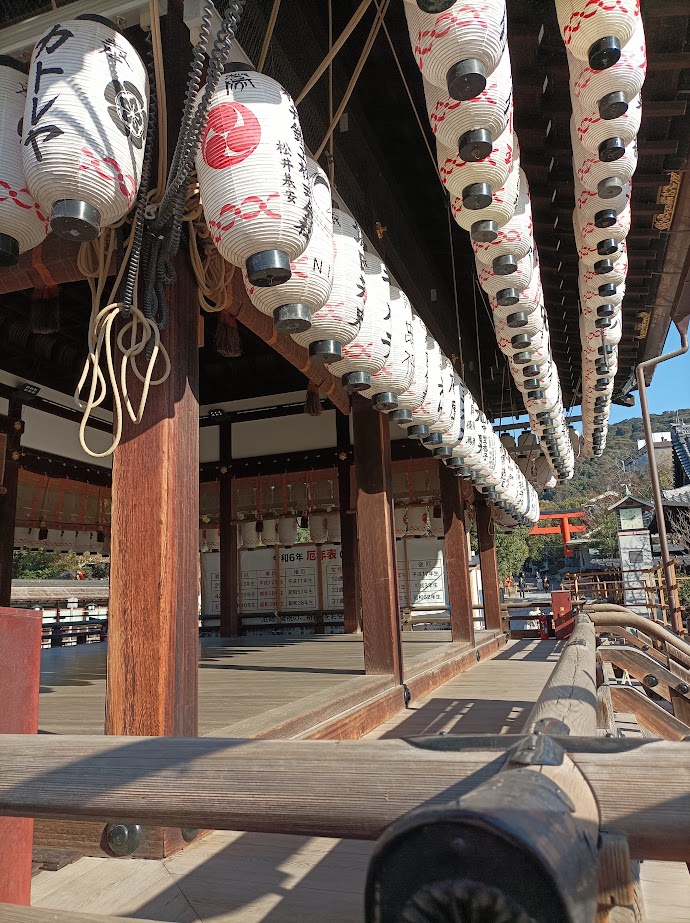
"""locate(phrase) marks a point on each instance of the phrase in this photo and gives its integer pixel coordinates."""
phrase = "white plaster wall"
(283, 434)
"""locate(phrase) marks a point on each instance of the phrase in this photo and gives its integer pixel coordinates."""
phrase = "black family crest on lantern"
(127, 109)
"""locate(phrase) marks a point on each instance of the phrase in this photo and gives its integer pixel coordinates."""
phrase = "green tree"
(511, 552)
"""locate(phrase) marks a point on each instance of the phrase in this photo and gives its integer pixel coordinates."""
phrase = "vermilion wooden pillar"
(229, 563)
(457, 565)
(376, 541)
(348, 529)
(20, 644)
(13, 427)
(153, 633)
(487, 561)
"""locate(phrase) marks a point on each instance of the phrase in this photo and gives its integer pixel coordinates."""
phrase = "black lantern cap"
(268, 268)
(610, 187)
(611, 149)
(75, 220)
(477, 195)
(325, 351)
(507, 297)
(385, 401)
(466, 79)
(605, 218)
(613, 105)
(292, 318)
(604, 53)
(475, 145)
(356, 381)
(505, 265)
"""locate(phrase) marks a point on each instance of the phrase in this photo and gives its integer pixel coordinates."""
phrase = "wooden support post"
(229, 558)
(457, 566)
(487, 562)
(348, 530)
(376, 541)
(20, 643)
(13, 428)
(153, 635)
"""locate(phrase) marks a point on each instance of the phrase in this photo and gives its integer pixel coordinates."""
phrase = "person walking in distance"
(521, 585)
(546, 586)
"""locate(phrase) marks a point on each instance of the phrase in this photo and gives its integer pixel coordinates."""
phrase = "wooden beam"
(348, 530)
(229, 556)
(153, 636)
(352, 791)
(487, 562)
(8, 499)
(457, 564)
(652, 675)
(376, 541)
(650, 715)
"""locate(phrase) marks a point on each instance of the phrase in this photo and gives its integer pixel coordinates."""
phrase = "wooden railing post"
(13, 427)
(229, 557)
(376, 541)
(457, 565)
(488, 564)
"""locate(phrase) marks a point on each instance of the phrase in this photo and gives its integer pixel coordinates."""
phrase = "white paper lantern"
(367, 353)
(470, 126)
(250, 536)
(597, 243)
(22, 223)
(614, 274)
(451, 435)
(400, 516)
(448, 400)
(429, 411)
(85, 125)
(593, 334)
(610, 90)
(608, 138)
(414, 396)
(599, 176)
(477, 179)
(253, 176)
(338, 322)
(506, 289)
(417, 520)
(269, 532)
(396, 375)
(318, 528)
(334, 528)
(287, 531)
(514, 240)
(589, 203)
(596, 31)
(483, 224)
(293, 303)
(458, 48)
(436, 523)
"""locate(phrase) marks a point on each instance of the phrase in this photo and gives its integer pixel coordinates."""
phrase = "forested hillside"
(594, 476)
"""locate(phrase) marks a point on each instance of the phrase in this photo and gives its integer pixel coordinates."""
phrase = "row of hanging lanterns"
(479, 164)
(284, 530)
(72, 136)
(60, 540)
(607, 61)
(418, 521)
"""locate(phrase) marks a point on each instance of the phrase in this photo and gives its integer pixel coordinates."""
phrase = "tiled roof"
(680, 439)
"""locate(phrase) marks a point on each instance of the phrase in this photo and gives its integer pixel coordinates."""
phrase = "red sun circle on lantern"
(231, 134)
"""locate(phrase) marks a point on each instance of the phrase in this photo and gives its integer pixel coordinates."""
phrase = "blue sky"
(670, 387)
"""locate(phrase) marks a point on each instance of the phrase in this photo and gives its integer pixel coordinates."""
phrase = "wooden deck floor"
(239, 678)
(232, 877)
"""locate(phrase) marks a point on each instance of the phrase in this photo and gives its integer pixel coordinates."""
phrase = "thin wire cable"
(479, 354)
(455, 293)
(417, 116)
(331, 140)
(342, 38)
(268, 36)
(368, 45)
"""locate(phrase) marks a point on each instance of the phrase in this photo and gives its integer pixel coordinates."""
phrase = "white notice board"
(210, 583)
(422, 573)
(257, 580)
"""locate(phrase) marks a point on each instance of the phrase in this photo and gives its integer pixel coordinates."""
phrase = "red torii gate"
(564, 526)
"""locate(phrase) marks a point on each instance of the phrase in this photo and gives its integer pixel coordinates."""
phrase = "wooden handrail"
(648, 713)
(607, 614)
(651, 674)
(325, 788)
(569, 695)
